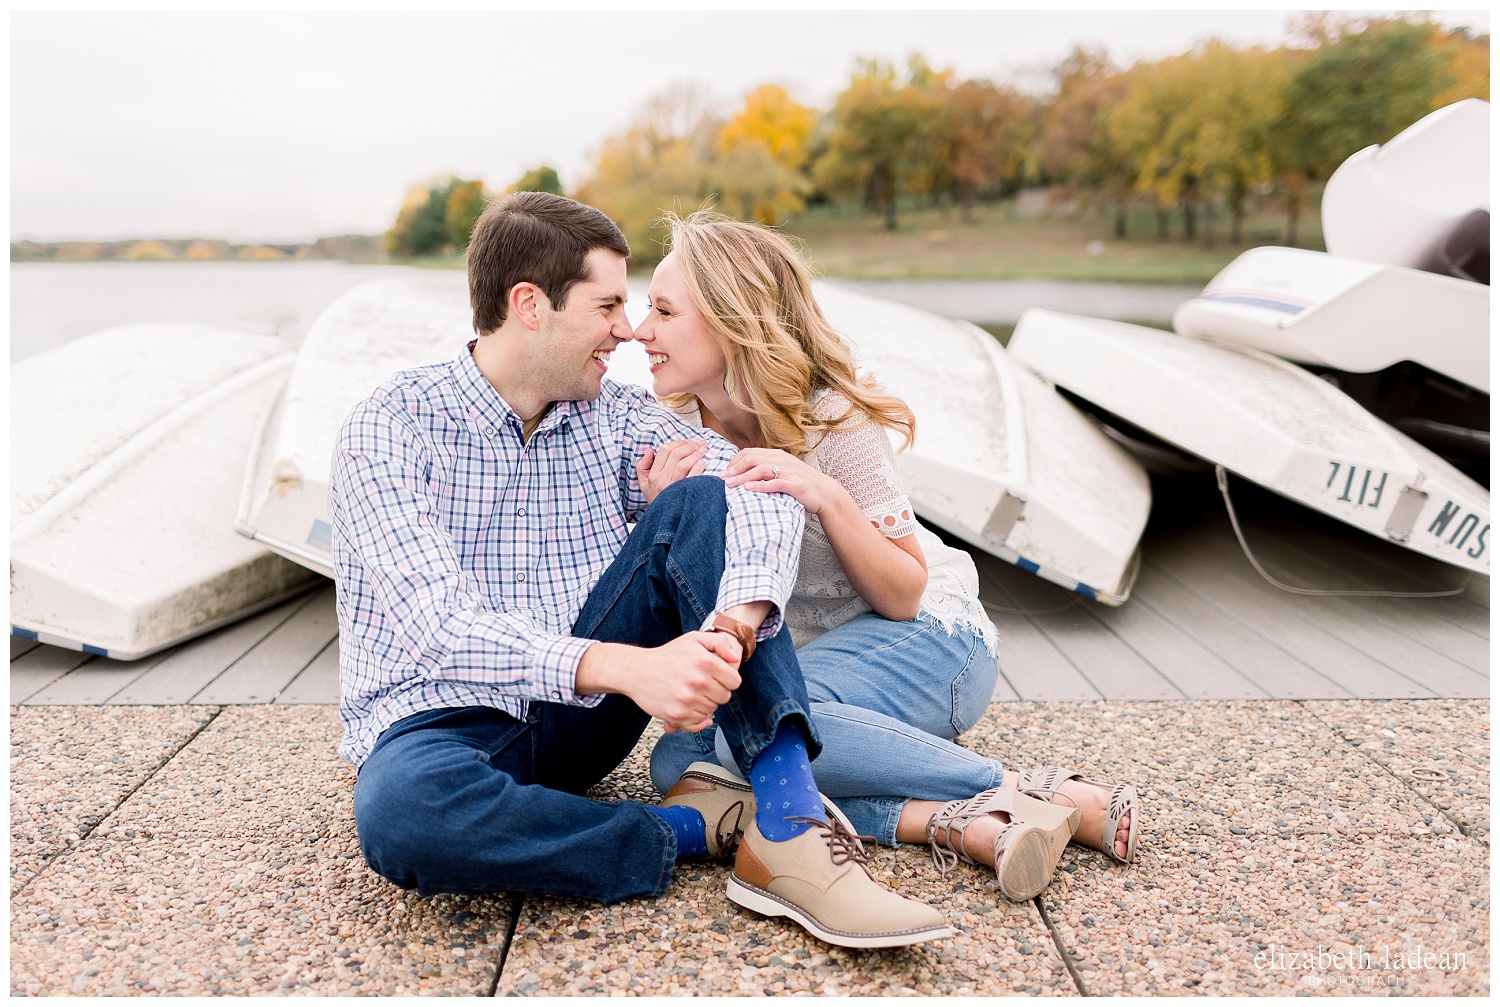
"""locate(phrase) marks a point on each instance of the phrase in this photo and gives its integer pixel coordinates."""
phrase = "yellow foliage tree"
(1468, 61)
(771, 119)
(148, 251)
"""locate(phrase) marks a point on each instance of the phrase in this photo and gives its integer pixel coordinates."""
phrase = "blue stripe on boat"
(1258, 302)
(1087, 591)
(1027, 565)
(90, 649)
(25, 634)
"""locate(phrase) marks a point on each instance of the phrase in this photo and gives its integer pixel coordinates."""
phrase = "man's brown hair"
(533, 237)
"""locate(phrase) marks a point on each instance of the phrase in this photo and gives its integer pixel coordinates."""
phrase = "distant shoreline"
(360, 248)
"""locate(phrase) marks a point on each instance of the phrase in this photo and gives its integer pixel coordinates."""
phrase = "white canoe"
(1268, 421)
(1346, 314)
(1001, 460)
(358, 342)
(1421, 200)
(128, 449)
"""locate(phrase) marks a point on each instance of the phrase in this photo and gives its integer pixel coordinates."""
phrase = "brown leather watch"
(741, 632)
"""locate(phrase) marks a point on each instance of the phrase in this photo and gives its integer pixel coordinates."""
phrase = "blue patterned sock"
(782, 779)
(687, 823)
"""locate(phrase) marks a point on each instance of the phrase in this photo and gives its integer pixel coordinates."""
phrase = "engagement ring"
(775, 472)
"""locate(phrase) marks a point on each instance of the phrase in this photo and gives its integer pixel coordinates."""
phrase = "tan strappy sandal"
(1122, 801)
(1024, 854)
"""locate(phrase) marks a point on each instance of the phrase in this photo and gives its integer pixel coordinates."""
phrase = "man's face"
(574, 342)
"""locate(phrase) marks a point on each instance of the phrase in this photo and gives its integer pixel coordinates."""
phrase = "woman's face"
(684, 357)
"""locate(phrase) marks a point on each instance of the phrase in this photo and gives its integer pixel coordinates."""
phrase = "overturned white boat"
(1420, 200)
(125, 469)
(1000, 460)
(1397, 312)
(1268, 421)
(1344, 314)
(359, 342)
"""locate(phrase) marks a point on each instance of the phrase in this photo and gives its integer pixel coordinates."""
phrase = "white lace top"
(862, 460)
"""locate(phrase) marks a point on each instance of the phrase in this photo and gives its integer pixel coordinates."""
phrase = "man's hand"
(680, 683)
(676, 460)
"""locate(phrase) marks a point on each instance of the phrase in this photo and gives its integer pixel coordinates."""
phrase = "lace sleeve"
(863, 462)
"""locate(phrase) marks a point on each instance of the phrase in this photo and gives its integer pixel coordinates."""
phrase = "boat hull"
(1001, 460)
(1268, 421)
(125, 487)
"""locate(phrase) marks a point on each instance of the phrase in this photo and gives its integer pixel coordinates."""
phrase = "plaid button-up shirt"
(464, 554)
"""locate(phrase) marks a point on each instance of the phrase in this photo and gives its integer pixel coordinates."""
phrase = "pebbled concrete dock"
(211, 850)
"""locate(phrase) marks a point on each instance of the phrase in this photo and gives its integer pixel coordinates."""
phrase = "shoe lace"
(728, 839)
(843, 846)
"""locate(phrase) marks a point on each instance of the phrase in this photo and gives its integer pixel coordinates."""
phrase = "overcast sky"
(284, 126)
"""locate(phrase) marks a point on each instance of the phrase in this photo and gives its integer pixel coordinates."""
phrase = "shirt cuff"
(555, 662)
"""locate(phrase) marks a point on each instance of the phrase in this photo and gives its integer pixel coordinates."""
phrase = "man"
(503, 644)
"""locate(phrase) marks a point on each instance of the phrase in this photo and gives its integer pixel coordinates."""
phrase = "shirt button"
(520, 512)
(489, 431)
(557, 695)
(520, 576)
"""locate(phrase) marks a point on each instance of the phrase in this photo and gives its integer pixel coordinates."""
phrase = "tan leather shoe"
(818, 880)
(726, 802)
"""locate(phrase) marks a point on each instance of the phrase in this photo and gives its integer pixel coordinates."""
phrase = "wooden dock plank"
(1110, 664)
(271, 664)
(318, 682)
(39, 668)
(187, 669)
(1383, 563)
(21, 645)
(1031, 663)
(1279, 618)
(1359, 622)
(1033, 667)
(1299, 553)
(1191, 668)
(1268, 667)
(93, 683)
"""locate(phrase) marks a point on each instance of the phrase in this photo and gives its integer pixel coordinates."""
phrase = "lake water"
(53, 303)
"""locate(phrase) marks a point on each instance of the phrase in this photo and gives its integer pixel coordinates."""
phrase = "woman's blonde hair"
(754, 292)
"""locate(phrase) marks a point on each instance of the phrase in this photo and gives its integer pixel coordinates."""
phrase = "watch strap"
(741, 632)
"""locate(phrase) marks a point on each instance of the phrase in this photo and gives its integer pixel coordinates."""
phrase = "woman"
(898, 653)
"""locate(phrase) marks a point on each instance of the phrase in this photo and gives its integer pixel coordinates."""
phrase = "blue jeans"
(472, 800)
(888, 698)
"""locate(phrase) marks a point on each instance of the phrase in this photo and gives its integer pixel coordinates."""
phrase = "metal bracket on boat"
(1005, 516)
(1404, 514)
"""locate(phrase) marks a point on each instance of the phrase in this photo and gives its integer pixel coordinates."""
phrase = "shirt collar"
(488, 409)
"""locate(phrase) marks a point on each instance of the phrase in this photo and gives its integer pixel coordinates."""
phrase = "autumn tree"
(971, 136)
(1468, 63)
(873, 144)
(663, 161)
(435, 217)
(1366, 82)
(1146, 126)
(464, 205)
(542, 179)
(1074, 145)
(760, 153)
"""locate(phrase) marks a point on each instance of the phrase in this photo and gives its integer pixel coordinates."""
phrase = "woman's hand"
(676, 460)
(768, 470)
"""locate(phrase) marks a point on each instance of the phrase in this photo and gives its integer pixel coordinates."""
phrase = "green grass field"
(932, 243)
(999, 244)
